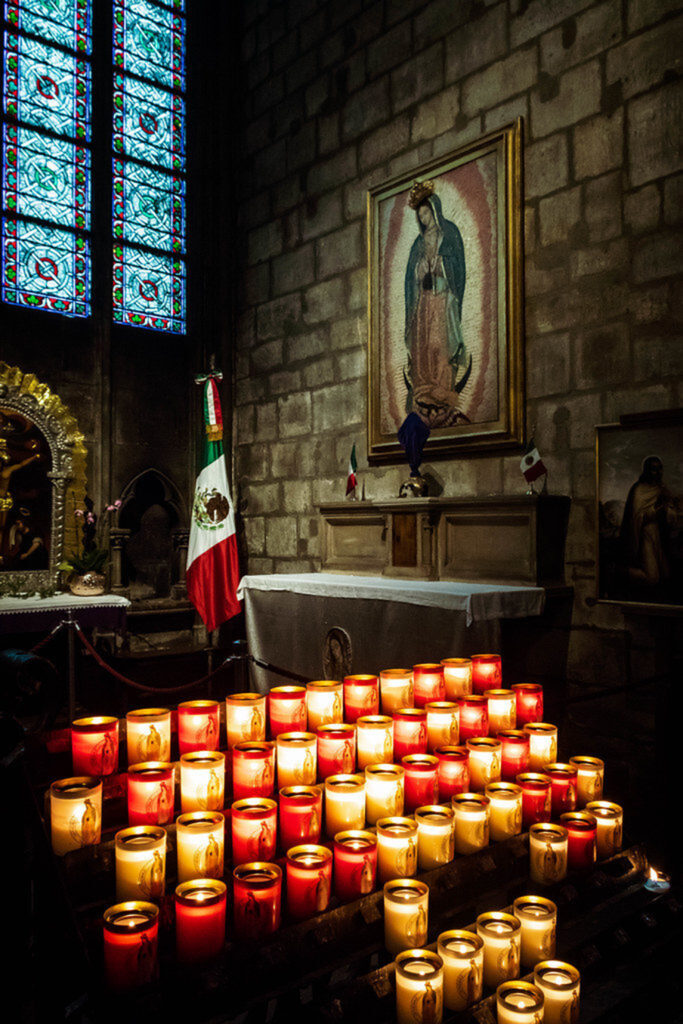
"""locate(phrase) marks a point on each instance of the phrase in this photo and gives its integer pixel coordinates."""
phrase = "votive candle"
(396, 848)
(471, 820)
(384, 791)
(198, 725)
(435, 836)
(536, 797)
(484, 761)
(95, 745)
(374, 740)
(529, 698)
(257, 891)
(514, 753)
(410, 732)
(361, 696)
(419, 986)
(502, 709)
(462, 953)
(487, 672)
(324, 703)
(131, 944)
(609, 819)
(457, 677)
(396, 689)
(202, 781)
(474, 716)
(309, 880)
(75, 813)
(151, 793)
(582, 830)
(336, 749)
(254, 829)
(406, 910)
(563, 787)
(140, 854)
(300, 810)
(200, 844)
(590, 778)
(344, 803)
(538, 918)
(560, 984)
(245, 718)
(505, 819)
(547, 853)
(519, 1002)
(148, 735)
(296, 759)
(286, 710)
(501, 934)
(428, 684)
(421, 780)
(199, 919)
(542, 745)
(253, 769)
(442, 724)
(355, 864)
(453, 771)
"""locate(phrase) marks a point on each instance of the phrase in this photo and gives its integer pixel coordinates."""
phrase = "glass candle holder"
(435, 836)
(296, 759)
(200, 845)
(148, 735)
(374, 740)
(336, 750)
(410, 732)
(309, 880)
(151, 793)
(487, 672)
(95, 745)
(529, 698)
(547, 853)
(453, 771)
(344, 803)
(582, 829)
(538, 918)
(462, 953)
(536, 797)
(355, 864)
(443, 727)
(324, 703)
(609, 819)
(501, 934)
(505, 809)
(140, 854)
(254, 829)
(474, 716)
(257, 890)
(484, 761)
(502, 709)
(75, 813)
(563, 787)
(253, 769)
(396, 848)
(471, 822)
(457, 677)
(419, 986)
(202, 781)
(590, 778)
(361, 696)
(519, 1002)
(421, 780)
(245, 718)
(428, 684)
(560, 984)
(542, 745)
(301, 810)
(384, 791)
(198, 725)
(514, 753)
(286, 710)
(406, 910)
(396, 689)
(199, 919)
(131, 945)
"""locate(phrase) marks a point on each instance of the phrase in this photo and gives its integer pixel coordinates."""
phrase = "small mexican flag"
(532, 464)
(212, 567)
(351, 480)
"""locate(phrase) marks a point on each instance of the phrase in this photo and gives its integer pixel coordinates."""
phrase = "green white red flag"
(532, 465)
(212, 565)
(351, 480)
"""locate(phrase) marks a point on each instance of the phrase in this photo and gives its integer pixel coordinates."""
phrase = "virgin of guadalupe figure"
(439, 365)
(650, 520)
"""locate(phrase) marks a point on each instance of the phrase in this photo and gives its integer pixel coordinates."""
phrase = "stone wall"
(338, 97)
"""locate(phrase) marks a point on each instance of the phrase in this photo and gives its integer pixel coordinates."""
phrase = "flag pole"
(201, 378)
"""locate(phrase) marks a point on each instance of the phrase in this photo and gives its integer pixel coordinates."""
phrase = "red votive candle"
(361, 696)
(514, 753)
(254, 829)
(199, 919)
(287, 710)
(421, 780)
(453, 771)
(301, 809)
(536, 797)
(198, 725)
(309, 880)
(336, 750)
(582, 840)
(151, 793)
(355, 864)
(257, 889)
(95, 745)
(529, 697)
(563, 789)
(131, 944)
(253, 769)
(487, 672)
(502, 709)
(428, 684)
(410, 732)
(474, 717)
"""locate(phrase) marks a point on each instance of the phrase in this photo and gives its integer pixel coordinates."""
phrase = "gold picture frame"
(445, 301)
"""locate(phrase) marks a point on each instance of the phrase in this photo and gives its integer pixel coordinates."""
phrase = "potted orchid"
(87, 567)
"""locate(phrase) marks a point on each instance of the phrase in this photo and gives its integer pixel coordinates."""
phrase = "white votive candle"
(245, 718)
(406, 905)
(296, 754)
(548, 851)
(140, 863)
(502, 707)
(396, 848)
(148, 735)
(202, 781)
(435, 836)
(519, 1002)
(505, 810)
(324, 703)
(590, 778)
(542, 744)
(344, 803)
(502, 936)
(384, 792)
(560, 984)
(457, 675)
(419, 987)
(75, 813)
(471, 811)
(443, 728)
(396, 689)
(462, 953)
(374, 740)
(200, 843)
(484, 761)
(538, 918)
(610, 826)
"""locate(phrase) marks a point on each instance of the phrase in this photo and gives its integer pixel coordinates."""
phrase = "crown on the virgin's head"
(420, 191)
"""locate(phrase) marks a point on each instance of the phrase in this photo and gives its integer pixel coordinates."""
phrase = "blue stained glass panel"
(148, 41)
(46, 178)
(66, 22)
(47, 87)
(45, 267)
(149, 290)
(149, 207)
(149, 123)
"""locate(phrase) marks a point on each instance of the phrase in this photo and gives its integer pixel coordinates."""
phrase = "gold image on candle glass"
(406, 906)
(501, 934)
(384, 792)
(296, 759)
(75, 813)
(505, 810)
(435, 836)
(610, 826)
(200, 843)
(538, 918)
(374, 740)
(419, 987)
(590, 777)
(457, 674)
(462, 953)
(324, 703)
(396, 689)
(519, 1002)
(245, 718)
(148, 734)
(396, 848)
(202, 781)
(560, 984)
(344, 803)
(542, 744)
(140, 863)
(484, 761)
(442, 724)
(471, 821)
(502, 707)
(548, 846)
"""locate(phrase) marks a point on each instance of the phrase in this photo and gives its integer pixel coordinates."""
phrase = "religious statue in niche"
(25, 494)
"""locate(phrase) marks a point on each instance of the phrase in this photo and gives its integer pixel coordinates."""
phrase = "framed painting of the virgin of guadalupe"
(445, 301)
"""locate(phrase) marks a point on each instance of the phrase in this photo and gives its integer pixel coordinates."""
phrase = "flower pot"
(87, 584)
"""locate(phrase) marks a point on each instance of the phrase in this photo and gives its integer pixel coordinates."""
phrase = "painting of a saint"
(25, 494)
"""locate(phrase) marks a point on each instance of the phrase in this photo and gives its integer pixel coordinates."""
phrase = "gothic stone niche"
(151, 525)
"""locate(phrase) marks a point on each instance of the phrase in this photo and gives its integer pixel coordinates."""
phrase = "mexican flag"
(351, 480)
(212, 568)
(532, 465)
